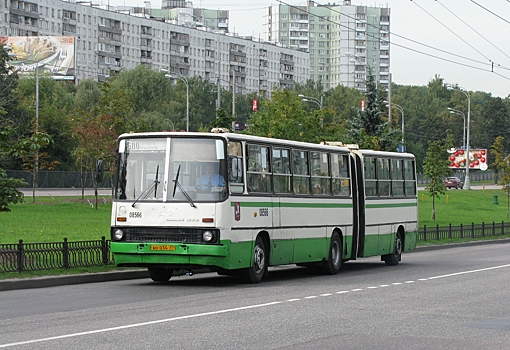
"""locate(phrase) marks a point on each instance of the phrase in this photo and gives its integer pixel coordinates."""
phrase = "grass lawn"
(50, 219)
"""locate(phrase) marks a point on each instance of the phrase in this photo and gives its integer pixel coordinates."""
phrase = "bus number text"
(263, 212)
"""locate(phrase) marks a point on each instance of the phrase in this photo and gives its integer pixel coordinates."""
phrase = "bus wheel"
(334, 263)
(255, 273)
(394, 258)
(158, 274)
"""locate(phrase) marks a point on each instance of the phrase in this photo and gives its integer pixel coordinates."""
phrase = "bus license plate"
(162, 247)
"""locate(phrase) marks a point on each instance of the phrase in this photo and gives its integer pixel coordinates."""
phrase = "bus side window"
(235, 167)
(259, 171)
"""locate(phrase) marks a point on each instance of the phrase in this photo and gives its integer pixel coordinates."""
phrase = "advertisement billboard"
(477, 158)
(52, 55)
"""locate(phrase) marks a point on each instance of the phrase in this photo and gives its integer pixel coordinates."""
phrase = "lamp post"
(185, 81)
(313, 99)
(319, 103)
(402, 112)
(467, 184)
(455, 111)
(218, 55)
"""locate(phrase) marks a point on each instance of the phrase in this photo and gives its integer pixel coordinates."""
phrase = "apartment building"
(108, 40)
(343, 40)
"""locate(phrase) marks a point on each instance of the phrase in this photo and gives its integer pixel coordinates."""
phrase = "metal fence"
(73, 179)
(23, 257)
(60, 179)
(438, 233)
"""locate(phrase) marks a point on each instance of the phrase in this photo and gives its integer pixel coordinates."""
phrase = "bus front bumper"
(172, 255)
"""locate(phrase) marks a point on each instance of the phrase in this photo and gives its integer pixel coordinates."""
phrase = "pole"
(389, 101)
(467, 183)
(234, 93)
(187, 105)
(218, 98)
(36, 163)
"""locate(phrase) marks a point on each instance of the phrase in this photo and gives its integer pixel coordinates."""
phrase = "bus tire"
(255, 272)
(159, 274)
(395, 257)
(332, 265)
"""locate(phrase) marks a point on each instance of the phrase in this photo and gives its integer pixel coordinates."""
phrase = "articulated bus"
(273, 202)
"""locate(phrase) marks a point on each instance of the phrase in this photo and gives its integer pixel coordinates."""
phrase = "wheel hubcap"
(258, 259)
(398, 246)
(335, 253)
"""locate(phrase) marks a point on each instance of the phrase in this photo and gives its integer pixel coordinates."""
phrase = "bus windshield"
(171, 169)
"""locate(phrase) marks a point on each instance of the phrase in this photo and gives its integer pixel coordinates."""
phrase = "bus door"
(358, 205)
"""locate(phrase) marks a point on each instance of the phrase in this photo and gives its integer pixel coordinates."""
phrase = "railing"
(438, 233)
(23, 257)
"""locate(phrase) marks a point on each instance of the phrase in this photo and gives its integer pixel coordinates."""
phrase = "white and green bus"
(273, 202)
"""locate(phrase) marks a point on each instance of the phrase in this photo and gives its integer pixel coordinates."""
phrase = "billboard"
(53, 55)
(477, 158)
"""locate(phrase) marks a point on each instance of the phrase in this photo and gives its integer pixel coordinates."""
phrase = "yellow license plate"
(162, 247)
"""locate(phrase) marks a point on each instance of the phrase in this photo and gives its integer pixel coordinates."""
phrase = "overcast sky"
(464, 56)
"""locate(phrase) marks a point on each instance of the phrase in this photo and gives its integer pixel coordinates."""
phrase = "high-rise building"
(343, 40)
(104, 40)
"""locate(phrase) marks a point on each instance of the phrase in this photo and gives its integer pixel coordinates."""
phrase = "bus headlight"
(208, 236)
(118, 235)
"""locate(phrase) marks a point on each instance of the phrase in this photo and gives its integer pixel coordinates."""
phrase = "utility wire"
(490, 64)
(451, 31)
(474, 2)
(411, 40)
(474, 30)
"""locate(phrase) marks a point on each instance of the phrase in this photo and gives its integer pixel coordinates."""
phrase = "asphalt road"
(454, 298)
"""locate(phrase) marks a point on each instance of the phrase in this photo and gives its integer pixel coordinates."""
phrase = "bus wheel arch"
(259, 259)
(395, 256)
(333, 264)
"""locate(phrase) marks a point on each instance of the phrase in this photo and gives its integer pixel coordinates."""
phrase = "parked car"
(453, 182)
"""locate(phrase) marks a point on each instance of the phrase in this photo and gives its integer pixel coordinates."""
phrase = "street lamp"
(319, 103)
(402, 112)
(313, 99)
(467, 184)
(455, 111)
(185, 81)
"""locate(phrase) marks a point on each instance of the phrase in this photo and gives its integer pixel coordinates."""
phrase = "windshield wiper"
(177, 184)
(147, 191)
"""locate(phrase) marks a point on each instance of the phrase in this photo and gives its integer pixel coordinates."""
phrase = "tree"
(367, 128)
(436, 168)
(502, 165)
(29, 150)
(283, 117)
(8, 186)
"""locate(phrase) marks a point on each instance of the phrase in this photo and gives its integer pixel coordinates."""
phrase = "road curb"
(64, 280)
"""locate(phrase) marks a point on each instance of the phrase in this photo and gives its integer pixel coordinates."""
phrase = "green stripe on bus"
(391, 205)
(292, 205)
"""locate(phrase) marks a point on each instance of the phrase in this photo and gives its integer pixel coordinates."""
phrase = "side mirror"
(235, 168)
(99, 170)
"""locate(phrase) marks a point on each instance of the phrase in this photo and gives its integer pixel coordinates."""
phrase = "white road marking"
(71, 335)
(471, 271)
(104, 330)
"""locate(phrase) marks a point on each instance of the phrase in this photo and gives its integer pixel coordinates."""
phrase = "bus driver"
(210, 180)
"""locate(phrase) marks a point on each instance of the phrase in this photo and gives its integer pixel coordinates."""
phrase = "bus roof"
(332, 146)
